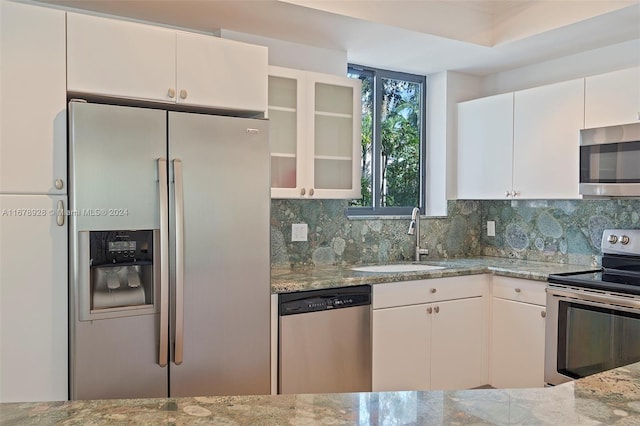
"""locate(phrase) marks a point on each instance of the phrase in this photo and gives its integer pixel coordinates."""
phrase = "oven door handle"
(591, 297)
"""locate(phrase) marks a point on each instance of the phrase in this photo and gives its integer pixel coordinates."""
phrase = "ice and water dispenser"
(121, 272)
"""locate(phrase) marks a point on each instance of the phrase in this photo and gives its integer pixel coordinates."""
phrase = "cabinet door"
(401, 348)
(612, 98)
(485, 147)
(33, 141)
(334, 125)
(547, 123)
(286, 129)
(456, 344)
(33, 299)
(121, 59)
(517, 344)
(220, 73)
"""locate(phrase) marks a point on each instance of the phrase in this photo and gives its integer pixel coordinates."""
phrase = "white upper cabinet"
(485, 147)
(546, 134)
(522, 144)
(612, 98)
(315, 134)
(221, 73)
(120, 59)
(123, 59)
(33, 141)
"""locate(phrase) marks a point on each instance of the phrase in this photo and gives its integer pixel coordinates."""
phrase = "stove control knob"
(612, 239)
(624, 240)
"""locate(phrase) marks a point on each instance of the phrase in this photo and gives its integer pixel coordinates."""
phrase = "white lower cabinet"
(33, 298)
(517, 333)
(434, 345)
(401, 355)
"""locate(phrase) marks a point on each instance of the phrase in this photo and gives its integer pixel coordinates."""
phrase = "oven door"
(589, 332)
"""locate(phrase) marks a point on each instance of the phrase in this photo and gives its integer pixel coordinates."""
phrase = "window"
(393, 142)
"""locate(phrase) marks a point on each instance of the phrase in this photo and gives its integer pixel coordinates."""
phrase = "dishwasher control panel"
(322, 300)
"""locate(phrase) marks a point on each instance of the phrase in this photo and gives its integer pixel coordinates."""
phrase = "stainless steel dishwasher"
(325, 341)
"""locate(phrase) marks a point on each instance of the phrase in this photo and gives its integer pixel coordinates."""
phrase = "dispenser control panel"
(121, 247)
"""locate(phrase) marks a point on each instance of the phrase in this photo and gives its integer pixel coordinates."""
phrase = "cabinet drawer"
(520, 290)
(426, 291)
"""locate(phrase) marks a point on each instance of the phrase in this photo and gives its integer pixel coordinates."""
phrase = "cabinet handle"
(171, 93)
(436, 309)
(543, 314)
(516, 193)
(59, 184)
(507, 194)
(310, 192)
(433, 290)
(429, 310)
(518, 290)
(60, 213)
(183, 94)
(302, 191)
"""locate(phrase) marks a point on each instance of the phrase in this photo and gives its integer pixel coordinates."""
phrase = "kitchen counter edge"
(286, 280)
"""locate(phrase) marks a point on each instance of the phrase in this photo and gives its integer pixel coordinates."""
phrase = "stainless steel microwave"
(610, 161)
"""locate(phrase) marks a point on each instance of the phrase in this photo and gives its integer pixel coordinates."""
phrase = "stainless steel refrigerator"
(170, 266)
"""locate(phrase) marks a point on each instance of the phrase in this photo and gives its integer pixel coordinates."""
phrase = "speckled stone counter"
(285, 280)
(609, 398)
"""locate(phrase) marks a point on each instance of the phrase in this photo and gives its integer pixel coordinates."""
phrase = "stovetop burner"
(620, 265)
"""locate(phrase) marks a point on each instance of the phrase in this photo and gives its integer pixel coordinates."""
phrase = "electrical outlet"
(491, 228)
(299, 231)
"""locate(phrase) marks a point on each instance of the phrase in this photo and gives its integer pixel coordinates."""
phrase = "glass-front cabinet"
(315, 134)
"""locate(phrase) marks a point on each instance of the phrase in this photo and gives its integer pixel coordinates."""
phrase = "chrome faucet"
(414, 228)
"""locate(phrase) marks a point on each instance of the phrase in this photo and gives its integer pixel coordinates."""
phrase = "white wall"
(444, 91)
(597, 61)
(294, 55)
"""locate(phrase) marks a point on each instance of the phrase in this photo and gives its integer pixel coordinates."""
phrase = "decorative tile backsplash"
(554, 231)
(566, 231)
(334, 239)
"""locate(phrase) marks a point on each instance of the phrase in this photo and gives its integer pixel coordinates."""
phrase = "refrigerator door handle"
(163, 347)
(179, 233)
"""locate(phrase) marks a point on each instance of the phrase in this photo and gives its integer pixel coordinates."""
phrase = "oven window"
(593, 339)
(610, 163)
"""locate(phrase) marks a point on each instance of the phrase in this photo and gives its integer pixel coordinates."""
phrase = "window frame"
(376, 209)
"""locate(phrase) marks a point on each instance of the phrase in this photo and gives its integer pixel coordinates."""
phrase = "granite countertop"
(284, 280)
(611, 398)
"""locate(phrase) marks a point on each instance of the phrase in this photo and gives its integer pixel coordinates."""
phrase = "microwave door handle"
(179, 265)
(163, 348)
(601, 298)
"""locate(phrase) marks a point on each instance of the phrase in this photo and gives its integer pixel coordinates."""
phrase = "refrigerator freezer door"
(112, 165)
(226, 320)
(114, 186)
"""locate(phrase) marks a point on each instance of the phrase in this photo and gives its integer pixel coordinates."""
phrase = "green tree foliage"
(400, 143)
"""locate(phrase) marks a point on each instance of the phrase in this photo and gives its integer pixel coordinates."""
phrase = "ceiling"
(420, 36)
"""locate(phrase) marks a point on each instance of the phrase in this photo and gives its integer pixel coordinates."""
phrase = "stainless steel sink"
(395, 268)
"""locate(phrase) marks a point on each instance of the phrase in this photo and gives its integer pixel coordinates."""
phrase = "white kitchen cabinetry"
(33, 141)
(612, 98)
(485, 147)
(517, 333)
(33, 299)
(222, 73)
(542, 160)
(546, 134)
(429, 334)
(123, 59)
(315, 134)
